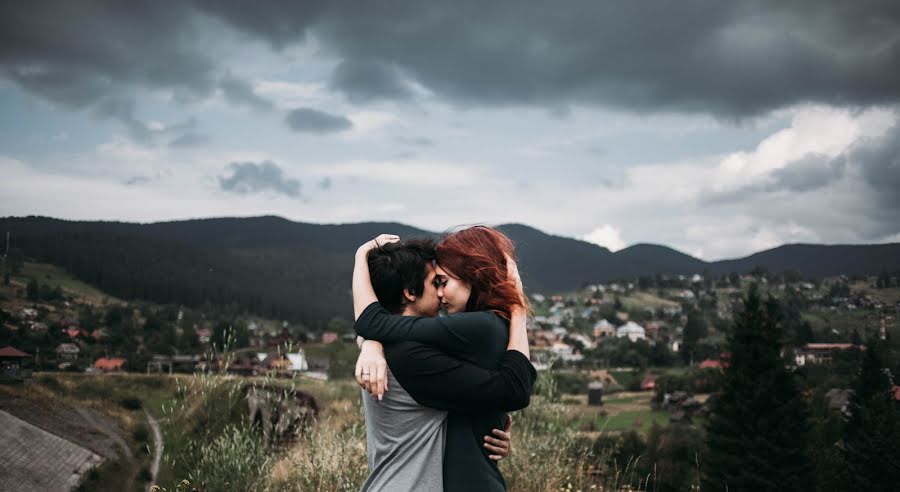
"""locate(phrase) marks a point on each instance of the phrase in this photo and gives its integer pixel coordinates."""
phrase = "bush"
(141, 435)
(131, 403)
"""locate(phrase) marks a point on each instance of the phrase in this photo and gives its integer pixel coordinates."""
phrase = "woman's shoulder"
(487, 318)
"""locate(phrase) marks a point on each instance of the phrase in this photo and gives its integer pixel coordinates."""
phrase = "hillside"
(297, 271)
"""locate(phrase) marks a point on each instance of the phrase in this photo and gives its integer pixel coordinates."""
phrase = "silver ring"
(363, 374)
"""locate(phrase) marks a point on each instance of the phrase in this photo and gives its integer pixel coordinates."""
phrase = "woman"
(479, 285)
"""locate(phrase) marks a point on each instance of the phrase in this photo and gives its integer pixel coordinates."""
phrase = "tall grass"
(213, 445)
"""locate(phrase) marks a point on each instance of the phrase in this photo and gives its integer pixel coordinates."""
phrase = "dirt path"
(157, 447)
(108, 431)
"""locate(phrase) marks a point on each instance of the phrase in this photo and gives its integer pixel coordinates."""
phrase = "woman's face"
(453, 292)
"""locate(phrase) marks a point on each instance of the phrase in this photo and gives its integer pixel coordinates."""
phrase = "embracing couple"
(436, 388)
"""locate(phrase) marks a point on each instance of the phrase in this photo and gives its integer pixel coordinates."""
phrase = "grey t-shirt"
(404, 442)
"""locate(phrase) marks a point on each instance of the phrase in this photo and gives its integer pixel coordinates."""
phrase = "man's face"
(427, 304)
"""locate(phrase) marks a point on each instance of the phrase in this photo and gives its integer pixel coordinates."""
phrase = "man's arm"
(438, 380)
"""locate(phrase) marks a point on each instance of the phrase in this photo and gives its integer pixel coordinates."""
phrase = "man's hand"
(501, 445)
(371, 368)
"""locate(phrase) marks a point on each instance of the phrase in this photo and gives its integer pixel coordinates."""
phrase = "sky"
(717, 128)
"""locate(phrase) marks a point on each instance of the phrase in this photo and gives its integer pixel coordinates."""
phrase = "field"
(209, 440)
(54, 276)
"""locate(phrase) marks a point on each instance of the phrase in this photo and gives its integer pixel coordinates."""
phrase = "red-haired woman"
(479, 286)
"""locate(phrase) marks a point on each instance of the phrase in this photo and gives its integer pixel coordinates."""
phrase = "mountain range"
(294, 270)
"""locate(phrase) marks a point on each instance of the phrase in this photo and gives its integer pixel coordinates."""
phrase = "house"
(12, 363)
(203, 335)
(180, 363)
(604, 329)
(75, 332)
(820, 353)
(105, 364)
(276, 362)
(67, 351)
(711, 364)
(298, 361)
(632, 330)
(649, 382)
(329, 337)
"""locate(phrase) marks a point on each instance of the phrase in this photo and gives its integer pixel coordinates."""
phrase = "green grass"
(629, 420)
(54, 276)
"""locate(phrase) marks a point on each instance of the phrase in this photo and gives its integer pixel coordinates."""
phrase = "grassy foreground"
(211, 445)
(225, 452)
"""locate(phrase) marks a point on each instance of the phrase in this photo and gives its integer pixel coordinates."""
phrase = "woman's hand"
(378, 242)
(371, 368)
(501, 445)
(512, 273)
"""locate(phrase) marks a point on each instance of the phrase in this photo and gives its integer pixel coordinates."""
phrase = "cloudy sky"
(718, 128)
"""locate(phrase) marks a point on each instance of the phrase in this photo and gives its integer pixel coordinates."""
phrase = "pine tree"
(32, 290)
(694, 330)
(759, 423)
(872, 430)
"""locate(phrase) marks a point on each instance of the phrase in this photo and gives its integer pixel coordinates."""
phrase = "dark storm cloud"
(364, 81)
(872, 162)
(879, 159)
(314, 121)
(812, 172)
(731, 59)
(809, 173)
(240, 92)
(77, 54)
(100, 55)
(728, 58)
(249, 177)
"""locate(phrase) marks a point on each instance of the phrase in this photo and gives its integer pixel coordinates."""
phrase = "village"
(625, 365)
(604, 339)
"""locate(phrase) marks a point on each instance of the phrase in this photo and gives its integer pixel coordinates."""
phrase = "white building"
(632, 330)
(298, 361)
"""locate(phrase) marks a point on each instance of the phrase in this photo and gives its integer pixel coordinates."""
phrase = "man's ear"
(409, 296)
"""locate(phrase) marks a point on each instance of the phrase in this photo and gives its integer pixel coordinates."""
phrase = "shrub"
(131, 403)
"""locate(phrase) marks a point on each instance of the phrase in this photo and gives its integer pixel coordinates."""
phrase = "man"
(406, 427)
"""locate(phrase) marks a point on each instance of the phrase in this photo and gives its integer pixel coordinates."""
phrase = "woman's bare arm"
(518, 333)
(363, 293)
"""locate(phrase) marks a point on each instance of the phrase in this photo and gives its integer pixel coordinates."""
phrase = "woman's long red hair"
(476, 255)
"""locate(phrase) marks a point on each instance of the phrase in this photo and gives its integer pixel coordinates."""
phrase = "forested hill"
(297, 271)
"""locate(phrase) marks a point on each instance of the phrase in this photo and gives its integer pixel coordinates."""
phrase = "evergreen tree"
(872, 430)
(759, 422)
(33, 290)
(694, 330)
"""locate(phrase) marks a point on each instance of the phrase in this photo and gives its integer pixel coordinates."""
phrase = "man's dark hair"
(396, 267)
